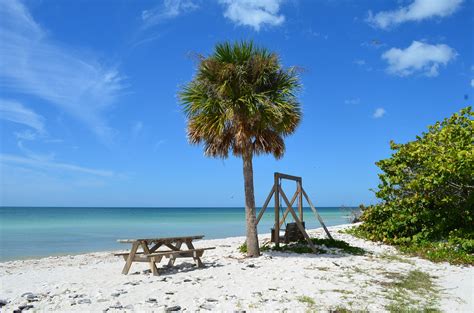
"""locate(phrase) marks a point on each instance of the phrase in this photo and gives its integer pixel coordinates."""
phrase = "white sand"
(229, 282)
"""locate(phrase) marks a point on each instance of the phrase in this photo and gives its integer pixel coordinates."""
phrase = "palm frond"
(241, 98)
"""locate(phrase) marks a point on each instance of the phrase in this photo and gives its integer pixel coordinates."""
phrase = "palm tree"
(242, 100)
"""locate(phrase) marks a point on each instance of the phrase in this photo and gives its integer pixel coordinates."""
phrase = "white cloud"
(16, 112)
(352, 101)
(418, 57)
(137, 127)
(253, 13)
(31, 63)
(40, 164)
(26, 135)
(169, 9)
(158, 144)
(472, 83)
(418, 10)
(379, 112)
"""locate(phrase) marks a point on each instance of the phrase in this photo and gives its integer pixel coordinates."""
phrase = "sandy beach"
(230, 282)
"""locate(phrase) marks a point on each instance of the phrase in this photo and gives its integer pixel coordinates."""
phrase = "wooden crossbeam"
(264, 207)
(298, 222)
(287, 211)
(286, 176)
(316, 214)
(146, 250)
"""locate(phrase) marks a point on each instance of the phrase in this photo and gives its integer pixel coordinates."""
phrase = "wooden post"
(131, 257)
(277, 210)
(300, 199)
(151, 261)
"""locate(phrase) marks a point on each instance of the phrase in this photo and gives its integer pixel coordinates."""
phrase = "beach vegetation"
(412, 292)
(242, 101)
(342, 309)
(395, 258)
(426, 194)
(300, 247)
(243, 247)
(310, 303)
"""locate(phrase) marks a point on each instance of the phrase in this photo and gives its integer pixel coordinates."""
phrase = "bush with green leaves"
(426, 188)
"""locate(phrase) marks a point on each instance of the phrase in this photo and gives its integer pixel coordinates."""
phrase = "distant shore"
(230, 282)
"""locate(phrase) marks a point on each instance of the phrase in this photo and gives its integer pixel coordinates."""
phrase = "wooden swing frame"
(275, 193)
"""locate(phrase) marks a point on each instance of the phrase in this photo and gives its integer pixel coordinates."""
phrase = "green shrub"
(426, 188)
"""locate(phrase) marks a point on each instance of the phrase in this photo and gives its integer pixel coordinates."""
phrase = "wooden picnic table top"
(162, 239)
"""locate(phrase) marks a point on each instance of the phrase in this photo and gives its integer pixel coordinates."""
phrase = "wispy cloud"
(167, 10)
(419, 57)
(31, 63)
(254, 13)
(379, 112)
(16, 112)
(40, 164)
(26, 135)
(352, 101)
(137, 127)
(33, 155)
(472, 83)
(158, 144)
(418, 10)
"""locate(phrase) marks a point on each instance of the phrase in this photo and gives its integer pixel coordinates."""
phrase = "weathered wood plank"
(264, 207)
(151, 262)
(176, 248)
(298, 222)
(163, 240)
(287, 211)
(286, 176)
(300, 199)
(276, 228)
(130, 258)
(196, 255)
(181, 252)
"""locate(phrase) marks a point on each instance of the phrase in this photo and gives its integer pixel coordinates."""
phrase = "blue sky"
(89, 114)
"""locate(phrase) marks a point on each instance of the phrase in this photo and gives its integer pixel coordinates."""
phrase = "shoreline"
(57, 232)
(93, 282)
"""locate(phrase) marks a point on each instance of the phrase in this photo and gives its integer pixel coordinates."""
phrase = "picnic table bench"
(150, 251)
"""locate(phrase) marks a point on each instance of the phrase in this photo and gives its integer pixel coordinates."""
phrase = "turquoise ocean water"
(39, 231)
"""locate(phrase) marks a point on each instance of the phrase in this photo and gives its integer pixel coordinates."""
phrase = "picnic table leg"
(195, 255)
(173, 257)
(130, 258)
(153, 267)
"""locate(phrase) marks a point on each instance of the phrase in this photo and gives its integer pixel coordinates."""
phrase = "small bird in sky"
(376, 42)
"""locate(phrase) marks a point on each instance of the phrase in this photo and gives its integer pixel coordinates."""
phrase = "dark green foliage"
(302, 247)
(426, 188)
(243, 248)
(298, 247)
(339, 244)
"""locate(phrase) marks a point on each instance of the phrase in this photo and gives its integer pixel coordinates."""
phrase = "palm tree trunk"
(252, 238)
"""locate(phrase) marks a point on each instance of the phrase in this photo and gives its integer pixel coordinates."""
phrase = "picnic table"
(152, 254)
